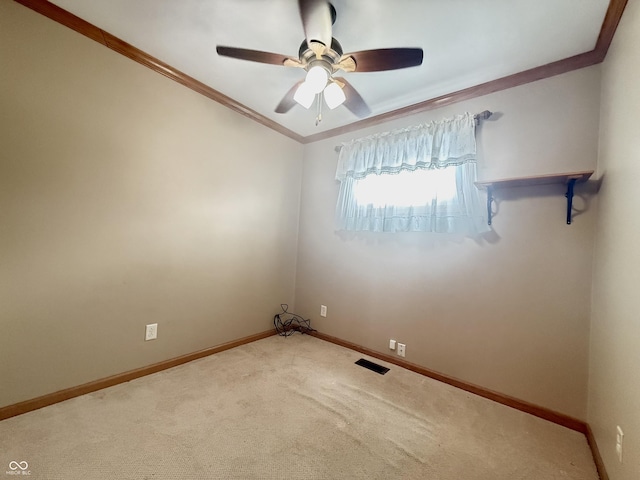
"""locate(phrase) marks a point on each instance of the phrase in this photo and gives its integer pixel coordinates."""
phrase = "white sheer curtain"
(414, 179)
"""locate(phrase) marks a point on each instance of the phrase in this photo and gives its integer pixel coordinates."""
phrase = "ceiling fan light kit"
(318, 80)
(317, 77)
(321, 56)
(334, 96)
(304, 95)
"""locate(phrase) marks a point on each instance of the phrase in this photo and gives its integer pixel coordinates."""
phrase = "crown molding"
(593, 57)
(112, 42)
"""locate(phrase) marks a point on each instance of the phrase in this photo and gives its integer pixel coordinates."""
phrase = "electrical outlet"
(619, 439)
(151, 333)
(392, 344)
(402, 349)
(323, 310)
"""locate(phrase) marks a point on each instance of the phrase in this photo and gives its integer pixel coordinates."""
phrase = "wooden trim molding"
(510, 81)
(527, 407)
(609, 26)
(91, 31)
(65, 18)
(597, 458)
(67, 393)
(523, 406)
(595, 56)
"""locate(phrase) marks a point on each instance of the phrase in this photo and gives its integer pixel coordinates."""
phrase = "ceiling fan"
(321, 56)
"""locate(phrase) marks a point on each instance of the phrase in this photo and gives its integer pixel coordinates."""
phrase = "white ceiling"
(465, 43)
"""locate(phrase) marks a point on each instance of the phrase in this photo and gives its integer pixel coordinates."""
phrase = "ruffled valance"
(429, 145)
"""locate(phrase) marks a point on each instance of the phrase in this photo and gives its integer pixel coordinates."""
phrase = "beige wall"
(614, 382)
(127, 199)
(510, 313)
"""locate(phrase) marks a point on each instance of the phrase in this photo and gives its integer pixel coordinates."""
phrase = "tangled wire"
(287, 323)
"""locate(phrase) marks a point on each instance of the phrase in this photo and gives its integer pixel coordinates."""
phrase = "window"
(415, 179)
(407, 188)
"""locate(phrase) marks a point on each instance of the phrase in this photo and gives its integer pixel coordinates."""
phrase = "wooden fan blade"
(316, 20)
(287, 102)
(354, 102)
(252, 55)
(386, 59)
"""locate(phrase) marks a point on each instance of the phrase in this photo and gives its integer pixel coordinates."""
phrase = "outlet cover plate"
(151, 332)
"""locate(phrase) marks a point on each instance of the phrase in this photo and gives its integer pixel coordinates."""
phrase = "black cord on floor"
(288, 323)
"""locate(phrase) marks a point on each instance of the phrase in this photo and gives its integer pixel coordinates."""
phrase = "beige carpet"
(289, 408)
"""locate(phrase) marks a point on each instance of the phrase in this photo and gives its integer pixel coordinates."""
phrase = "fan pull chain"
(319, 109)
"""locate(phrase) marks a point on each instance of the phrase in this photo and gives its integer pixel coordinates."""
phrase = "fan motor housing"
(331, 55)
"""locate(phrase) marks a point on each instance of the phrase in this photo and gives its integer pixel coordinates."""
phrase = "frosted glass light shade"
(304, 95)
(317, 78)
(334, 96)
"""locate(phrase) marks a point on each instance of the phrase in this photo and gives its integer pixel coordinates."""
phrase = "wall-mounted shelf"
(569, 179)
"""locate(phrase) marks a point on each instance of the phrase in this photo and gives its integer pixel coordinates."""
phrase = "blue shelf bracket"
(569, 179)
(489, 203)
(570, 184)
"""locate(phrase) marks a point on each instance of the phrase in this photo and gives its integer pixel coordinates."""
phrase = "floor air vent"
(372, 366)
